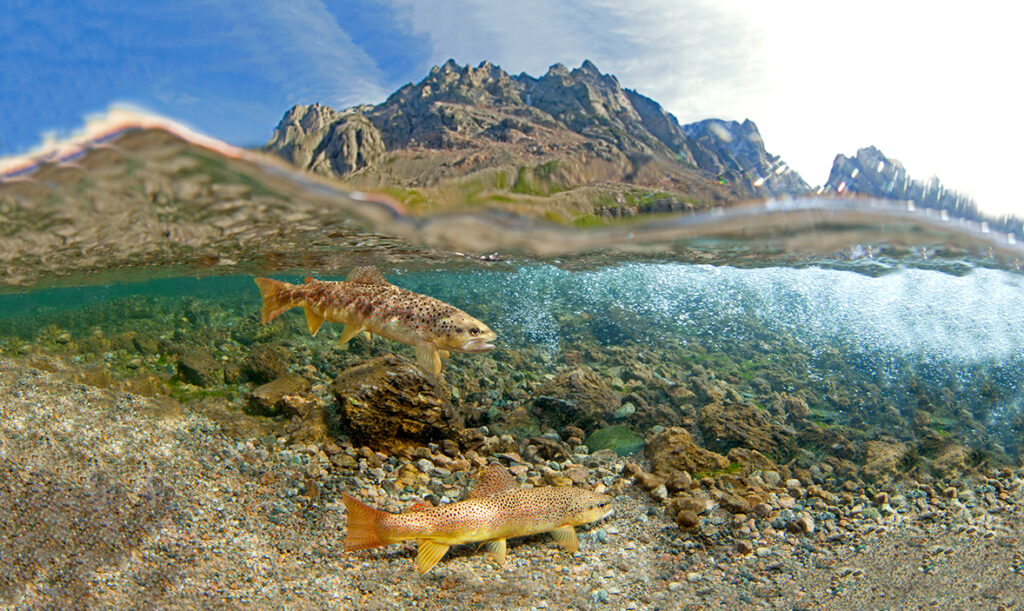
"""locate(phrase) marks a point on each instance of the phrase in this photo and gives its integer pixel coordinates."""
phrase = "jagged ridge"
(873, 174)
(573, 127)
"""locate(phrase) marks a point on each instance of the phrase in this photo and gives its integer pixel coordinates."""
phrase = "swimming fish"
(496, 510)
(368, 302)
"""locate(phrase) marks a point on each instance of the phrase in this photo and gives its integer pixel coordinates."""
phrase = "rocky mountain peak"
(871, 173)
(470, 108)
(735, 149)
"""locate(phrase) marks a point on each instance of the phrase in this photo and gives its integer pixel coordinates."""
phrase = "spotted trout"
(365, 301)
(496, 510)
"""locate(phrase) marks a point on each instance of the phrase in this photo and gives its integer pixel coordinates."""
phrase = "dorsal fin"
(493, 480)
(367, 274)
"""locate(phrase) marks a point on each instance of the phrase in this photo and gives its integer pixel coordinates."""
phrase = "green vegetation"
(539, 180)
(589, 220)
(728, 470)
(410, 198)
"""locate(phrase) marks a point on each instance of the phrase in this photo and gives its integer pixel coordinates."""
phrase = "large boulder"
(729, 425)
(263, 364)
(673, 449)
(882, 459)
(199, 368)
(578, 397)
(390, 402)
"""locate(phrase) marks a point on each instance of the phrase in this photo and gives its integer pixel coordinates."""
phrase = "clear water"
(895, 344)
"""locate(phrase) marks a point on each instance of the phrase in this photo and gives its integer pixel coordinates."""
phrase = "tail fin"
(364, 525)
(277, 296)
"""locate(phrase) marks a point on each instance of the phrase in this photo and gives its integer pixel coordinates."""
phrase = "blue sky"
(923, 82)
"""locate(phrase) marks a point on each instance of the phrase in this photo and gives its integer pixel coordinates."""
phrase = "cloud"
(299, 45)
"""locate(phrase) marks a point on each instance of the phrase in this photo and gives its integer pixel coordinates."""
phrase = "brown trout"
(496, 510)
(368, 302)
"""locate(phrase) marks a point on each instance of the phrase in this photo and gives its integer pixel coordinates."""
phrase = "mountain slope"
(575, 138)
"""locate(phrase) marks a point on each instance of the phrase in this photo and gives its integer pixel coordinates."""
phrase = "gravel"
(111, 500)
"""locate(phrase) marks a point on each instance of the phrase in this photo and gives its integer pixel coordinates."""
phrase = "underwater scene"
(752, 435)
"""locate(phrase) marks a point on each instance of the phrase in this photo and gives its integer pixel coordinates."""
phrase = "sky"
(934, 85)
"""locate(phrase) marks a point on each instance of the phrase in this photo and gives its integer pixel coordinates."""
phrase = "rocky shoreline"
(115, 499)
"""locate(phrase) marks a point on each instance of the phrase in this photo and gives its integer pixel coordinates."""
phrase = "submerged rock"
(578, 397)
(199, 368)
(952, 460)
(882, 459)
(621, 439)
(729, 425)
(674, 450)
(390, 402)
(283, 397)
(263, 365)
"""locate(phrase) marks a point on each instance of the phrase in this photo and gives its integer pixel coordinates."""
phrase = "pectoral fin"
(428, 555)
(566, 537)
(429, 358)
(349, 332)
(444, 354)
(313, 321)
(497, 550)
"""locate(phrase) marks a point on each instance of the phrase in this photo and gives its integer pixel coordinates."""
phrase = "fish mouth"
(477, 345)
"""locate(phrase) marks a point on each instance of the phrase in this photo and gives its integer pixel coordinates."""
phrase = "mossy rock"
(619, 438)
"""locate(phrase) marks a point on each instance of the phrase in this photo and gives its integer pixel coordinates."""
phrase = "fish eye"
(474, 331)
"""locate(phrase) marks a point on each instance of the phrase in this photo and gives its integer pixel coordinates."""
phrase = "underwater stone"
(578, 397)
(390, 402)
(951, 460)
(263, 364)
(674, 450)
(278, 398)
(734, 504)
(882, 459)
(199, 368)
(728, 425)
(687, 519)
(618, 438)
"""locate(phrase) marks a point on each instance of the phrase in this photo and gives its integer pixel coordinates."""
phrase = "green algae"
(617, 437)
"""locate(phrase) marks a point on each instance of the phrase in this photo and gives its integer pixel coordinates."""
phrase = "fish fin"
(313, 321)
(277, 297)
(497, 550)
(444, 354)
(493, 480)
(367, 274)
(348, 333)
(566, 537)
(428, 555)
(364, 525)
(428, 358)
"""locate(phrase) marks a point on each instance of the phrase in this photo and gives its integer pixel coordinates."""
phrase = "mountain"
(573, 137)
(872, 173)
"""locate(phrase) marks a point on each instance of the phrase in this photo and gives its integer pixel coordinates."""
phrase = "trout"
(365, 301)
(496, 510)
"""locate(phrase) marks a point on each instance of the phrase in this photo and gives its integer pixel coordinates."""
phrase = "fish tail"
(365, 529)
(278, 297)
